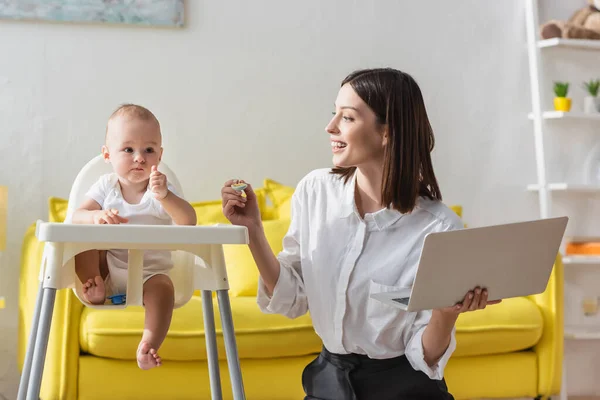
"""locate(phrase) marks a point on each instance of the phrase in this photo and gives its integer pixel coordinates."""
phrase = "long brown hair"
(396, 100)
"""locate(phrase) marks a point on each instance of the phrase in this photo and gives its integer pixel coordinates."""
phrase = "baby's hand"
(158, 184)
(109, 217)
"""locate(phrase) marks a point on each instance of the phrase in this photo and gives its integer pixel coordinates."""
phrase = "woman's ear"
(385, 136)
(105, 154)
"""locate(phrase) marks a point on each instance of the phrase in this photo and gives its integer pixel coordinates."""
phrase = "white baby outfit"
(107, 192)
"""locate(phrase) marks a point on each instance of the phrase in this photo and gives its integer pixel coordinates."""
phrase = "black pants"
(357, 377)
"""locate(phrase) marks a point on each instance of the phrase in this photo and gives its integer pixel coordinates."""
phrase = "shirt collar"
(381, 219)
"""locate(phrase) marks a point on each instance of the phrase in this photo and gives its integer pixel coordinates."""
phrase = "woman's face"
(356, 137)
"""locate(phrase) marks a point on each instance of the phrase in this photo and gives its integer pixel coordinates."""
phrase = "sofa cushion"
(116, 333)
(513, 325)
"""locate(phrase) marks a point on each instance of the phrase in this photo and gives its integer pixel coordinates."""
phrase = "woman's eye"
(348, 119)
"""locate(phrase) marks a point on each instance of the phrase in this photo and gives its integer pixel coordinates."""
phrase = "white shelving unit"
(570, 43)
(540, 117)
(581, 260)
(578, 333)
(568, 115)
(565, 187)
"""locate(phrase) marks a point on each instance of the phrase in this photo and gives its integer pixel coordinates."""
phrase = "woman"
(358, 229)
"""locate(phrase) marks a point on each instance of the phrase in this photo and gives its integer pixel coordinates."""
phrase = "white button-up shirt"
(332, 259)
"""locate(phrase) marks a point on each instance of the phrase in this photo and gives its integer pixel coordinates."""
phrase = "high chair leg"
(233, 360)
(41, 343)
(211, 345)
(30, 346)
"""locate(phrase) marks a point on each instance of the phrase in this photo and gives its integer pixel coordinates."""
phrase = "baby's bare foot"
(147, 357)
(94, 291)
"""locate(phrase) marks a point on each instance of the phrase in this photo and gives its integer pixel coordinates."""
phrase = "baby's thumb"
(153, 169)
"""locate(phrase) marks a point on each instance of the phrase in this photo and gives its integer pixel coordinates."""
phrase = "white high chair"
(198, 264)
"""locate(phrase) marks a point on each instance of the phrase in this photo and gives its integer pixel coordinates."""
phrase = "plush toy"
(584, 24)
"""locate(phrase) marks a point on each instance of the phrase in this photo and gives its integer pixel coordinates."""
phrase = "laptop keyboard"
(402, 300)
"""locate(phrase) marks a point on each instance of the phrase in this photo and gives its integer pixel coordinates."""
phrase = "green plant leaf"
(561, 89)
(592, 87)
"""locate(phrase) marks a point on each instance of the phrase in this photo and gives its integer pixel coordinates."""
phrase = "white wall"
(245, 90)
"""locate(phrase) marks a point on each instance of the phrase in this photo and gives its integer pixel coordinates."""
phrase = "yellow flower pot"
(562, 104)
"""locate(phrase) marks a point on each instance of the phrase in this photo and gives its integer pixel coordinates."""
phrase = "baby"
(136, 193)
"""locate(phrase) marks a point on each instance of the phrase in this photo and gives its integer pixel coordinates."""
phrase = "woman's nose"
(332, 126)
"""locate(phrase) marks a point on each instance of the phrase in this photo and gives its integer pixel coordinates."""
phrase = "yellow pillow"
(57, 209)
(285, 209)
(241, 268)
(457, 209)
(280, 196)
(209, 212)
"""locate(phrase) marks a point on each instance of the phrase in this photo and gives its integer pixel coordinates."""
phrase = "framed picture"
(168, 13)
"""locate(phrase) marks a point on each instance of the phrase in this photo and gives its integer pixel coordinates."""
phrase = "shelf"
(582, 239)
(568, 115)
(570, 43)
(582, 333)
(581, 260)
(570, 187)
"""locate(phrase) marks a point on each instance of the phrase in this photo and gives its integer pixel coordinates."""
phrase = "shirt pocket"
(383, 316)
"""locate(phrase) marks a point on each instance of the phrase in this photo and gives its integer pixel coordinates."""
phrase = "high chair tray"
(141, 234)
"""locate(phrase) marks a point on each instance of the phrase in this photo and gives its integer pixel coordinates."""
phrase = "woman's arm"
(268, 265)
(437, 334)
(281, 286)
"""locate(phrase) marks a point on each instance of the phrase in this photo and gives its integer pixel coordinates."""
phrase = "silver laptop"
(509, 260)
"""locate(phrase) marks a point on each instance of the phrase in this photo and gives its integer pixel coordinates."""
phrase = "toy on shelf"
(590, 247)
(583, 24)
(591, 103)
(561, 101)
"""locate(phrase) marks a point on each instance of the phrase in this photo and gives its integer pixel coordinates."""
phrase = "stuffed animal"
(584, 24)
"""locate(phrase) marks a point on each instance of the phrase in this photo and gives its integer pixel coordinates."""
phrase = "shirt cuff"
(414, 354)
(278, 302)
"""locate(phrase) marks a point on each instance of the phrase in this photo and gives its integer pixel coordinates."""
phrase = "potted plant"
(561, 101)
(591, 103)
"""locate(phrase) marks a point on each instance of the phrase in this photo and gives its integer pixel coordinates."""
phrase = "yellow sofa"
(510, 350)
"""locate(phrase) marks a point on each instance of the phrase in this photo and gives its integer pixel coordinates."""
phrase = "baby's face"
(133, 146)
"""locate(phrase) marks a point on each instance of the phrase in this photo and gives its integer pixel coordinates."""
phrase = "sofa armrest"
(551, 345)
(62, 357)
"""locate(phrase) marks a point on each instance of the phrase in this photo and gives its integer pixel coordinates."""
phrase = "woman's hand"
(476, 299)
(240, 210)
